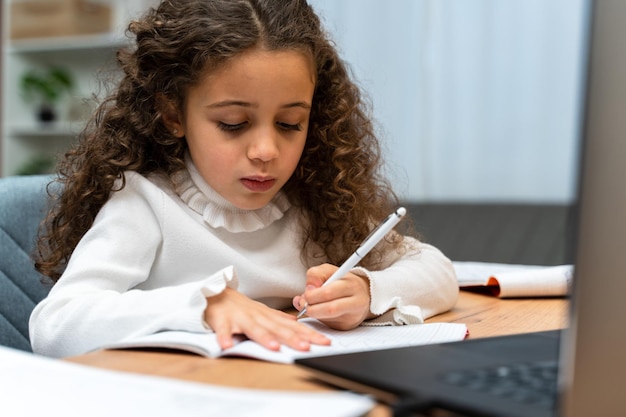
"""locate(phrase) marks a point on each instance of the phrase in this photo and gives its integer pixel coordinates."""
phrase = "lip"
(258, 184)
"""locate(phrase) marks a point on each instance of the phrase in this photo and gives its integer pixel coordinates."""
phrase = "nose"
(263, 147)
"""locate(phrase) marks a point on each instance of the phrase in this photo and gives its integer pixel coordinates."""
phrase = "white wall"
(477, 100)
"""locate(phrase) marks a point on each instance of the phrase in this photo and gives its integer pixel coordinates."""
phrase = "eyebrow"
(228, 103)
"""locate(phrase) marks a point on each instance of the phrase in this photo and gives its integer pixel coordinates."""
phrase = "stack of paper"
(35, 386)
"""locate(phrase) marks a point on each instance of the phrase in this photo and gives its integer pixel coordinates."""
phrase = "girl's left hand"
(342, 304)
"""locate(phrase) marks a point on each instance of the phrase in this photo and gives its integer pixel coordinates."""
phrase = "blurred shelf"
(62, 129)
(69, 43)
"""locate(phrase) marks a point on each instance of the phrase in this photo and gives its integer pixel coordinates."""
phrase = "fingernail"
(274, 345)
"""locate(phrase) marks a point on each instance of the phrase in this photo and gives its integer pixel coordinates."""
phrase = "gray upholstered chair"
(23, 202)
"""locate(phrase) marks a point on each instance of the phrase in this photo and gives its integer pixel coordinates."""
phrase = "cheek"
(296, 153)
(205, 143)
(213, 161)
(217, 172)
(219, 161)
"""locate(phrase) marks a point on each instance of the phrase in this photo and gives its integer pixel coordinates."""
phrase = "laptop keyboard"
(530, 383)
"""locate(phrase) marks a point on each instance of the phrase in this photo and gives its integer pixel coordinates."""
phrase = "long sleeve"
(413, 287)
(100, 297)
(149, 262)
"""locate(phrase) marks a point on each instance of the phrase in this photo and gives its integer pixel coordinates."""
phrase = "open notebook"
(359, 339)
(585, 363)
(515, 281)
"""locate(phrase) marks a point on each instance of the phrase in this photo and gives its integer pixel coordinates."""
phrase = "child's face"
(246, 124)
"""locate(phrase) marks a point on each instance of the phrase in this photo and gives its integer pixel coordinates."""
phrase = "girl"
(230, 172)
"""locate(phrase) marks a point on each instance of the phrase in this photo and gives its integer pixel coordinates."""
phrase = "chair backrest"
(23, 204)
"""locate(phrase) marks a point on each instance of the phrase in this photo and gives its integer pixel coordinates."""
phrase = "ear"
(170, 115)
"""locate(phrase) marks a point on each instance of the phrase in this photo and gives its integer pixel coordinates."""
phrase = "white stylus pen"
(372, 240)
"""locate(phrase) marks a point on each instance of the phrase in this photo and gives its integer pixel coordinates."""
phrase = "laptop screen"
(594, 348)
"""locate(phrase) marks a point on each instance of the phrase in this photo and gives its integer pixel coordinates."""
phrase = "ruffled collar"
(218, 212)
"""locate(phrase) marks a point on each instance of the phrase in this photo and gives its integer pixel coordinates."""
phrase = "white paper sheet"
(32, 385)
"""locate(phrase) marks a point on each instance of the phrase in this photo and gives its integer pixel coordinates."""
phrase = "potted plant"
(46, 87)
(38, 164)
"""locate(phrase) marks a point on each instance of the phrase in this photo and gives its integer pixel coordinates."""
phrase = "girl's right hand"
(231, 312)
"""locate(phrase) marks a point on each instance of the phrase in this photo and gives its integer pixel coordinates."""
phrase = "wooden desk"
(483, 314)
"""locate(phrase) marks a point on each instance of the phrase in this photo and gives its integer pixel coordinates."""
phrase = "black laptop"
(576, 372)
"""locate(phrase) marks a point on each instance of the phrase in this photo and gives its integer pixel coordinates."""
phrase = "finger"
(297, 335)
(309, 336)
(224, 336)
(264, 337)
(329, 292)
(274, 328)
(327, 309)
(317, 275)
(319, 339)
(341, 317)
(299, 302)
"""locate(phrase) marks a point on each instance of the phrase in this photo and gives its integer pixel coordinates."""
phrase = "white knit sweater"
(156, 251)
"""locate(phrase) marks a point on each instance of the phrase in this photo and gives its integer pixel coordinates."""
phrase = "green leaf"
(46, 85)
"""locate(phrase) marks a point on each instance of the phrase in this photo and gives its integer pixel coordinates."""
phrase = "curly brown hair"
(338, 184)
